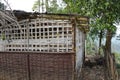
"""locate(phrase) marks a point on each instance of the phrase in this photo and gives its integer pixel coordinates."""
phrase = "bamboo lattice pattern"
(41, 35)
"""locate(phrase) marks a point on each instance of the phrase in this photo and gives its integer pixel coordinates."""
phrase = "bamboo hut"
(43, 46)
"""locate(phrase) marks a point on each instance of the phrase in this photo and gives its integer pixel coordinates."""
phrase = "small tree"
(49, 6)
(104, 13)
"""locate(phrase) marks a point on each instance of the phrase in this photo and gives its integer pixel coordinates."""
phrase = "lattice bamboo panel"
(40, 35)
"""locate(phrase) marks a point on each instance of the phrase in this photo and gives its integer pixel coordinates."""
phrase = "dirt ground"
(94, 73)
(94, 69)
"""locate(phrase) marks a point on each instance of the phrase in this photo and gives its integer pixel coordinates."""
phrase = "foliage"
(103, 14)
(50, 6)
(2, 6)
(118, 70)
(91, 47)
(117, 57)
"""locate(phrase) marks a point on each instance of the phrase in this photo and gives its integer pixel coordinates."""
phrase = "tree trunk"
(108, 44)
(47, 6)
(108, 52)
(110, 60)
(100, 41)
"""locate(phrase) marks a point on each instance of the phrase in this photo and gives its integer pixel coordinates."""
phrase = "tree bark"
(47, 6)
(108, 44)
(108, 52)
(100, 41)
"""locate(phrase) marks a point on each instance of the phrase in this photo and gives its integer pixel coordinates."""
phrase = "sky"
(25, 5)
(118, 29)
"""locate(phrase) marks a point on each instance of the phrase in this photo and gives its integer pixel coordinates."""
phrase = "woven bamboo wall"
(40, 66)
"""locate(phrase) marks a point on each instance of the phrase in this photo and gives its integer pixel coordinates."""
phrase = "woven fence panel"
(17, 66)
(51, 67)
(13, 67)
